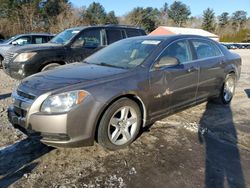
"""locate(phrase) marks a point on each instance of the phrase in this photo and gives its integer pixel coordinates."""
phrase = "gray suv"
(21, 40)
(122, 88)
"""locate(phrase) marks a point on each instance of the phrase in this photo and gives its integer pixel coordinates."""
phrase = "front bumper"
(19, 123)
(72, 129)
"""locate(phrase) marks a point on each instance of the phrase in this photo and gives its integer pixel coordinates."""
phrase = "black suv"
(72, 45)
(21, 40)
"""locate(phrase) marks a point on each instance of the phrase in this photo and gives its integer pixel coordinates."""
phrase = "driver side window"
(179, 50)
(89, 39)
(23, 40)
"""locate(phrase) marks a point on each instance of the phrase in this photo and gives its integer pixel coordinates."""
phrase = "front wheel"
(120, 124)
(227, 90)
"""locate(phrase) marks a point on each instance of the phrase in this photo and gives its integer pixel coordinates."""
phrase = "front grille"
(22, 103)
(7, 58)
(20, 112)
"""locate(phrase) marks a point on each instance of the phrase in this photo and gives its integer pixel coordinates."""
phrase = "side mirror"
(167, 61)
(14, 43)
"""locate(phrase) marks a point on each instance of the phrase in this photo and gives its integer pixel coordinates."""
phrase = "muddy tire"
(227, 90)
(119, 125)
(50, 66)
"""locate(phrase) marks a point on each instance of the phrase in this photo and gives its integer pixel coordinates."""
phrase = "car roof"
(106, 26)
(166, 37)
(35, 34)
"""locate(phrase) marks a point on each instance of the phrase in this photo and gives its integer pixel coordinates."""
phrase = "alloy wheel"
(123, 125)
(229, 88)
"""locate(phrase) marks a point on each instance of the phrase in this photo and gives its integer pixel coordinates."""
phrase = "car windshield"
(65, 36)
(127, 53)
(10, 39)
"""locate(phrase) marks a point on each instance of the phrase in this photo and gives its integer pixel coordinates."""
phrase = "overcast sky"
(122, 7)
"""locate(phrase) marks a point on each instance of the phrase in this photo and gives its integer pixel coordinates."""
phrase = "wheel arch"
(50, 62)
(132, 97)
(232, 70)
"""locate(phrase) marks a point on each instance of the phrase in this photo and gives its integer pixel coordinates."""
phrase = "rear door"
(176, 86)
(211, 62)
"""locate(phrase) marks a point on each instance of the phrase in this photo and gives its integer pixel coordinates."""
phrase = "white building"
(162, 30)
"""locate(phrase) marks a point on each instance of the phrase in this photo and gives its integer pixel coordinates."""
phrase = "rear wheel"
(227, 90)
(120, 124)
(50, 66)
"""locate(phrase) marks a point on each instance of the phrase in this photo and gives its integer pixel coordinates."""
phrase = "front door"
(87, 43)
(174, 86)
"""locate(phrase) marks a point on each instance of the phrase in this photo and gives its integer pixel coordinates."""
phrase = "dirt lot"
(204, 146)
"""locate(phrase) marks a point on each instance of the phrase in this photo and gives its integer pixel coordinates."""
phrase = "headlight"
(63, 102)
(24, 56)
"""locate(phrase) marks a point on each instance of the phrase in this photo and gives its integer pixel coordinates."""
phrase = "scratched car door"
(175, 86)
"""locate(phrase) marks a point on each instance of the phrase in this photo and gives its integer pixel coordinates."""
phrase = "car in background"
(236, 45)
(122, 88)
(229, 46)
(71, 45)
(246, 45)
(239, 46)
(24, 39)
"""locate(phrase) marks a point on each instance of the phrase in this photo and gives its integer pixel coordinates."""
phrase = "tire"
(50, 66)
(227, 90)
(1, 62)
(119, 125)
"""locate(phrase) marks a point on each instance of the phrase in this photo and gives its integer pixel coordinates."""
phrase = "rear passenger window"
(205, 49)
(40, 39)
(113, 35)
(133, 32)
(179, 50)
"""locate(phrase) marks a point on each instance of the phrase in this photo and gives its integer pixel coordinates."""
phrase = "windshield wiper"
(109, 65)
(85, 62)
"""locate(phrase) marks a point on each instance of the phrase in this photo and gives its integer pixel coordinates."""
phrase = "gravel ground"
(204, 146)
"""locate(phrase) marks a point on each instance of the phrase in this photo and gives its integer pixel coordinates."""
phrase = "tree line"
(24, 16)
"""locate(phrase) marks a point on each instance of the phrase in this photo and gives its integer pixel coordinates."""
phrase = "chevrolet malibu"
(132, 83)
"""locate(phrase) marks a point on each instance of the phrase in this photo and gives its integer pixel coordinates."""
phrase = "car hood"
(4, 48)
(36, 47)
(68, 75)
(3, 44)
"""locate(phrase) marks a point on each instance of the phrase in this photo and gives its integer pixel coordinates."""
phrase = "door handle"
(192, 69)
